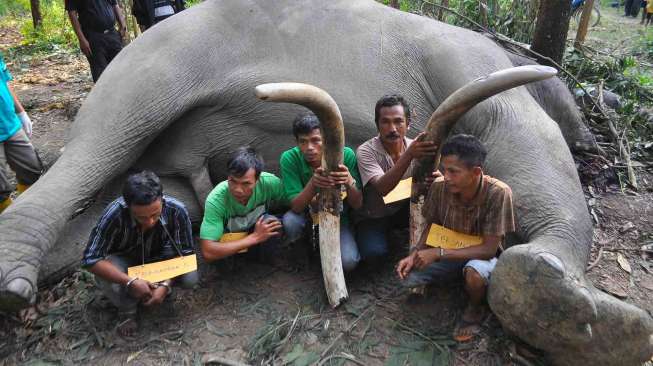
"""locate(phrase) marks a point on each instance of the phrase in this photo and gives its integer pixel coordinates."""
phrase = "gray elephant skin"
(180, 97)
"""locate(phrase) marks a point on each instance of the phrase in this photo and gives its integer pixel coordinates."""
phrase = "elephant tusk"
(333, 135)
(449, 112)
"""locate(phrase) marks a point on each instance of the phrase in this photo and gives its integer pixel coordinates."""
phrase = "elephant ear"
(333, 136)
(448, 113)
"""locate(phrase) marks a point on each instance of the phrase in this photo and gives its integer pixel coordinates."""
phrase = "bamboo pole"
(584, 23)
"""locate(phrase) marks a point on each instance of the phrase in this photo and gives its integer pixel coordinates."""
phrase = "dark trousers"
(104, 47)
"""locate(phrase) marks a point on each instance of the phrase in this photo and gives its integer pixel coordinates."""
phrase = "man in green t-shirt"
(303, 177)
(241, 204)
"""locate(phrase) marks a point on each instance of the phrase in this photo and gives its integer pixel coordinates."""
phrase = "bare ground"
(257, 313)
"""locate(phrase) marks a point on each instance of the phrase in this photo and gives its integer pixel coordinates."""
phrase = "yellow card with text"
(227, 237)
(401, 191)
(439, 236)
(164, 270)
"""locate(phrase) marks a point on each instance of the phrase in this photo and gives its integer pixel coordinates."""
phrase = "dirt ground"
(261, 313)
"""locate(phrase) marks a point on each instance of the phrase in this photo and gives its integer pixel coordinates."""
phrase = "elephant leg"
(539, 293)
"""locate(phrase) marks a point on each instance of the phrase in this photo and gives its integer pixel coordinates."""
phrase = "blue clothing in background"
(9, 122)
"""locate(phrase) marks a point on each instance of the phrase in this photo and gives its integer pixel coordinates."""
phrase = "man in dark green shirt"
(302, 177)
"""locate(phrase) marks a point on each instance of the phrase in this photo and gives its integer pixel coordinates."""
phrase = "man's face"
(458, 176)
(310, 145)
(147, 215)
(392, 123)
(242, 187)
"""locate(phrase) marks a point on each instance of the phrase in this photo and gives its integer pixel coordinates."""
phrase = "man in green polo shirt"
(241, 204)
(303, 177)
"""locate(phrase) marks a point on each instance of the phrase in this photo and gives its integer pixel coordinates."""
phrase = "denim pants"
(449, 270)
(371, 233)
(294, 225)
(119, 295)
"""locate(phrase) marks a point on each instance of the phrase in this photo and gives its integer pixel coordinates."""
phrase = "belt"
(108, 30)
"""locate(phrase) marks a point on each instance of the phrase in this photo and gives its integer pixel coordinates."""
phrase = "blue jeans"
(294, 225)
(449, 270)
(371, 233)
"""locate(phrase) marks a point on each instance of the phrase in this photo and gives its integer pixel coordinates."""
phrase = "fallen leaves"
(623, 263)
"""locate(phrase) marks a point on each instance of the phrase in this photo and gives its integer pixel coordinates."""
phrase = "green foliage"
(54, 32)
(515, 19)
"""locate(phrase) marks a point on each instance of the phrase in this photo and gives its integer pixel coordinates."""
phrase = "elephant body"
(180, 98)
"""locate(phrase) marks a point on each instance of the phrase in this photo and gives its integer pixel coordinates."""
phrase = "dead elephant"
(178, 101)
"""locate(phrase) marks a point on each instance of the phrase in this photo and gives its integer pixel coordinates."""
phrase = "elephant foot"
(538, 297)
(16, 293)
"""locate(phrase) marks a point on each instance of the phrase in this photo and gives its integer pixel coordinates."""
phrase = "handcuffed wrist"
(130, 282)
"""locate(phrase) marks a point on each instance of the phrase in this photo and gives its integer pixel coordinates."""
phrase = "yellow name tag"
(164, 270)
(439, 236)
(227, 237)
(315, 218)
(401, 191)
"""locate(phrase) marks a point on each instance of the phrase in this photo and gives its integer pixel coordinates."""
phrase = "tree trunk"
(441, 12)
(36, 13)
(394, 4)
(551, 30)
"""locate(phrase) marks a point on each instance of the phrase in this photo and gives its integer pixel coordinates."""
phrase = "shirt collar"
(378, 144)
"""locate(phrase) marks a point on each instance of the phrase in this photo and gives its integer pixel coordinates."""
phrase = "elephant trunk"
(333, 135)
(449, 112)
(107, 140)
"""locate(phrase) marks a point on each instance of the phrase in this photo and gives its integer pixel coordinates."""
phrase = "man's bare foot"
(127, 324)
(470, 324)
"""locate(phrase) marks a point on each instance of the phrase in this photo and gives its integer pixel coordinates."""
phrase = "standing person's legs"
(5, 187)
(23, 160)
(113, 45)
(348, 249)
(100, 51)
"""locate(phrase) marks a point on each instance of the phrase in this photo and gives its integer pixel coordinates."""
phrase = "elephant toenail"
(21, 287)
(550, 265)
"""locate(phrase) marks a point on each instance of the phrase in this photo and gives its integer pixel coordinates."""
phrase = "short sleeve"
(291, 175)
(5, 75)
(278, 192)
(499, 216)
(212, 226)
(368, 166)
(350, 161)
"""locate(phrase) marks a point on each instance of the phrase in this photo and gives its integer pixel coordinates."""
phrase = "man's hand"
(419, 149)
(85, 47)
(406, 265)
(435, 175)
(265, 229)
(336, 177)
(141, 290)
(158, 294)
(425, 257)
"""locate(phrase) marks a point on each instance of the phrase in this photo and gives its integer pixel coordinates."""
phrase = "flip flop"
(471, 330)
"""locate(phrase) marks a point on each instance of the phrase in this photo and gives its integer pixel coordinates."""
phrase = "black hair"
(242, 160)
(304, 124)
(391, 100)
(142, 188)
(467, 148)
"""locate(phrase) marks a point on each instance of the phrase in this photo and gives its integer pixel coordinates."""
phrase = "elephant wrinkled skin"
(181, 96)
